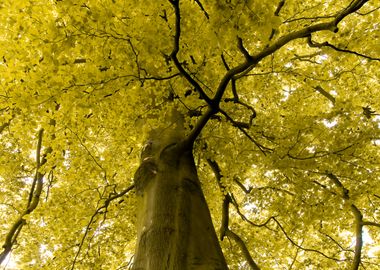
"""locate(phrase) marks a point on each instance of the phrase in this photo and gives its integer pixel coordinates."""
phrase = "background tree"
(276, 102)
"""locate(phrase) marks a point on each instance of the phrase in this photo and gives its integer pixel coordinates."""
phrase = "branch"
(33, 200)
(227, 198)
(3, 126)
(335, 241)
(233, 80)
(262, 148)
(243, 50)
(318, 154)
(300, 247)
(225, 217)
(325, 93)
(249, 107)
(279, 7)
(190, 139)
(175, 51)
(307, 58)
(358, 220)
(370, 223)
(354, 6)
(369, 12)
(11, 238)
(188, 142)
(314, 44)
(324, 187)
(236, 98)
(248, 64)
(243, 248)
(202, 8)
(359, 237)
(275, 189)
(90, 154)
(282, 41)
(224, 230)
(38, 164)
(240, 184)
(302, 33)
(243, 217)
(294, 259)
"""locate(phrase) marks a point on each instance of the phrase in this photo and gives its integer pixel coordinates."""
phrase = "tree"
(164, 120)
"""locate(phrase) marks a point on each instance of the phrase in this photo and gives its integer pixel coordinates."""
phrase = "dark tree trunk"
(174, 227)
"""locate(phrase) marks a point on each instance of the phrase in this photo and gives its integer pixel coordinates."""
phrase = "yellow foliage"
(98, 75)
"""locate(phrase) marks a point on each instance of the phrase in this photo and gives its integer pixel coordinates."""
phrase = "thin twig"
(91, 221)
(202, 8)
(302, 248)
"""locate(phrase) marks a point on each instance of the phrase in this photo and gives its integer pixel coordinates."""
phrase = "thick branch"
(233, 80)
(11, 238)
(225, 217)
(359, 237)
(33, 200)
(354, 6)
(248, 64)
(243, 248)
(38, 164)
(188, 142)
(243, 50)
(370, 223)
(358, 220)
(282, 41)
(224, 230)
(212, 108)
(226, 200)
(302, 33)
(236, 98)
(3, 126)
(175, 51)
(279, 7)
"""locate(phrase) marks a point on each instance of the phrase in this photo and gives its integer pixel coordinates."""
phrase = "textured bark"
(175, 230)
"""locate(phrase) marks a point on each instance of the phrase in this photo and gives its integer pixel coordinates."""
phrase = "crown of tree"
(268, 108)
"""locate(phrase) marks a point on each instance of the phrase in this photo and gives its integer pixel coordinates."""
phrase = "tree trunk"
(174, 229)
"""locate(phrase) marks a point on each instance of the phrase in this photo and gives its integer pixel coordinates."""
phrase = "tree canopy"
(280, 98)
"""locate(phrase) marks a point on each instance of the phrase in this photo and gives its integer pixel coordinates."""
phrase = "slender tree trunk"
(175, 230)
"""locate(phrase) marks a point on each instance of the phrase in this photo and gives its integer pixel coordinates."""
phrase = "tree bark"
(174, 229)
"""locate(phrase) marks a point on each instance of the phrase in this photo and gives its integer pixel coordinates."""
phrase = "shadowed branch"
(175, 51)
(314, 44)
(344, 193)
(33, 200)
(225, 230)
